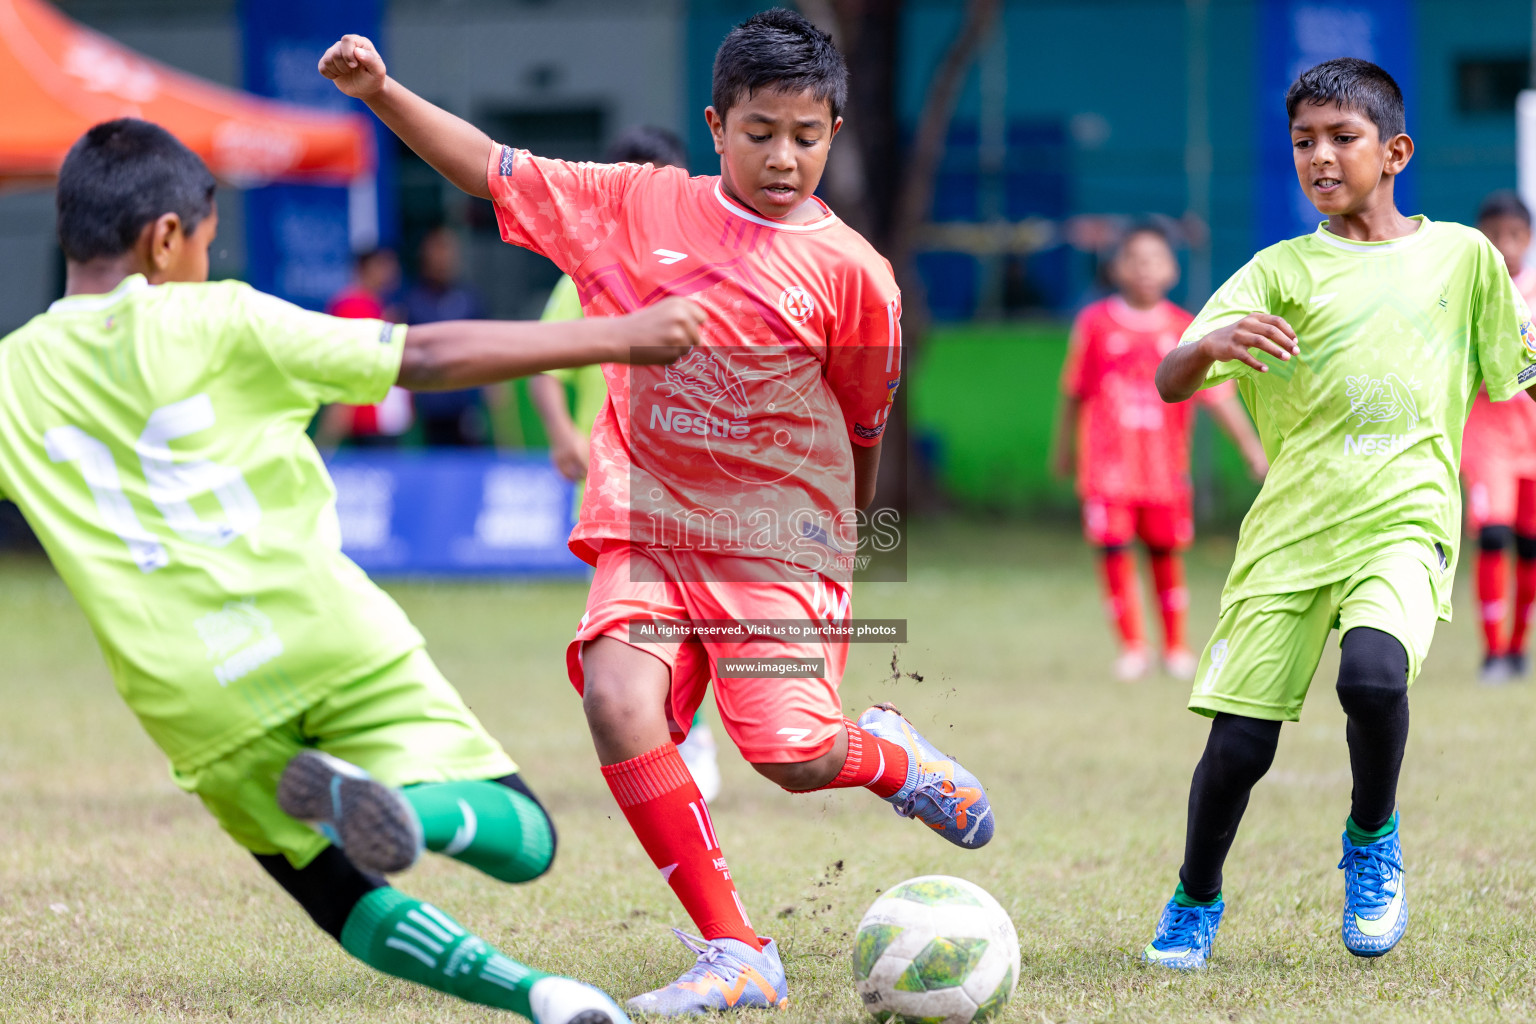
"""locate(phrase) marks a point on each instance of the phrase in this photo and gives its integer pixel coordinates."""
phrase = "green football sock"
(1183, 899)
(698, 716)
(486, 825)
(409, 939)
(1360, 837)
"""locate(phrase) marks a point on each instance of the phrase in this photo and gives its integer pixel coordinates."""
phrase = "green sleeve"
(324, 358)
(1246, 291)
(564, 304)
(1502, 335)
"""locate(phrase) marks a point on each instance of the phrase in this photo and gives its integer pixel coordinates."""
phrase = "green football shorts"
(1265, 650)
(403, 724)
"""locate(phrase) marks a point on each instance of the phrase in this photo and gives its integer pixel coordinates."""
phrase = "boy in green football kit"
(1358, 349)
(152, 432)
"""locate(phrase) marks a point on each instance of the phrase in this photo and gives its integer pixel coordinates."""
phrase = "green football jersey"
(591, 387)
(1363, 427)
(154, 437)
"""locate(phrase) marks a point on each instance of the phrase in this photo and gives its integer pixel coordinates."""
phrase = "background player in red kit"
(1498, 468)
(726, 489)
(1132, 451)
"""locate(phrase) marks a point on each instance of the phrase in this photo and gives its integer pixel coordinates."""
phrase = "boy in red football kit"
(1498, 467)
(725, 491)
(1132, 451)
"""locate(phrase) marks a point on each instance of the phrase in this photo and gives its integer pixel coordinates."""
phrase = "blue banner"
(1293, 36)
(300, 238)
(453, 513)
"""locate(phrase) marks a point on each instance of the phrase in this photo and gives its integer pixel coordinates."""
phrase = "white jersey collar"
(91, 303)
(738, 210)
(1373, 248)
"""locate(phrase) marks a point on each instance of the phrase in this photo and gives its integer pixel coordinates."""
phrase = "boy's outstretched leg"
(406, 938)
(624, 695)
(1373, 689)
(1238, 752)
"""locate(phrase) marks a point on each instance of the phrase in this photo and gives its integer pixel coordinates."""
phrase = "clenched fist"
(354, 64)
(662, 333)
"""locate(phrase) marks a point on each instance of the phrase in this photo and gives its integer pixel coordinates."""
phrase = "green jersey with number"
(1363, 427)
(154, 437)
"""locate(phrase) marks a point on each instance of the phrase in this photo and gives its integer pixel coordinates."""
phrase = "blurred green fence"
(983, 403)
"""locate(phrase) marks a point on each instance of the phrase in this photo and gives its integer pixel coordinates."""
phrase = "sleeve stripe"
(893, 344)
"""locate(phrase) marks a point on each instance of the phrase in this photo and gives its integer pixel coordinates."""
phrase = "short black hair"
(1144, 227)
(647, 144)
(118, 177)
(778, 49)
(1353, 84)
(1504, 203)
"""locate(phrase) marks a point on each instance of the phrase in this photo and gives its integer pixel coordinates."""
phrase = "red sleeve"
(1077, 377)
(557, 208)
(864, 371)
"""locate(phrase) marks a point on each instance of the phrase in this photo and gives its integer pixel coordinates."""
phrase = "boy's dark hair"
(1144, 227)
(647, 144)
(118, 177)
(1504, 203)
(1353, 84)
(778, 49)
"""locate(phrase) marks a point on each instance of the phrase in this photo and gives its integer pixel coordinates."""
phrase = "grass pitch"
(121, 901)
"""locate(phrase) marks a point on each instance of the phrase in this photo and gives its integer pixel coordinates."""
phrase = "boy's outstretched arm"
(1183, 370)
(457, 354)
(455, 148)
(1228, 414)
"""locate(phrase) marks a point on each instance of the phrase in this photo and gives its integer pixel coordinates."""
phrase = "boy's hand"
(354, 64)
(570, 453)
(662, 333)
(1263, 331)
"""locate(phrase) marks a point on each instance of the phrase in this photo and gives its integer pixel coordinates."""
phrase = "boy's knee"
(801, 776)
(1373, 671)
(1242, 749)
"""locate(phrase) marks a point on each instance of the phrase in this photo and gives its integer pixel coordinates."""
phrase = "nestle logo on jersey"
(682, 421)
(1374, 444)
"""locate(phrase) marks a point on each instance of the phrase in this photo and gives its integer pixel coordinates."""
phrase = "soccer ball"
(937, 950)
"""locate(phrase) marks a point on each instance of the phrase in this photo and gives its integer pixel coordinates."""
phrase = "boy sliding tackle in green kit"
(152, 431)
(1359, 349)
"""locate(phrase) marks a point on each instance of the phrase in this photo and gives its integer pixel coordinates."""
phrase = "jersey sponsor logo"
(240, 638)
(700, 375)
(796, 303)
(669, 257)
(1389, 400)
(670, 419)
(1375, 444)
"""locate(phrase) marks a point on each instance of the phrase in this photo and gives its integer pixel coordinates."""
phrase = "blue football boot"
(1184, 936)
(938, 791)
(728, 975)
(1375, 901)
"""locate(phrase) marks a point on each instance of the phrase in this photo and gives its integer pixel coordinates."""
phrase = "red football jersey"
(743, 446)
(1503, 434)
(1131, 445)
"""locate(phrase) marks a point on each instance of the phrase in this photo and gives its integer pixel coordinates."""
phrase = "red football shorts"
(1497, 493)
(1165, 526)
(771, 720)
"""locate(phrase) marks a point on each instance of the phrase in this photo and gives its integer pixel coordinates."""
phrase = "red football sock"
(663, 806)
(877, 765)
(1492, 585)
(1120, 595)
(1525, 596)
(1172, 596)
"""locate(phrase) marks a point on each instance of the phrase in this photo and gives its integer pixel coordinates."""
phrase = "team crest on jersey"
(796, 304)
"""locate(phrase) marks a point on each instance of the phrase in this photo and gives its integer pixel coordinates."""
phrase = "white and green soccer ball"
(935, 950)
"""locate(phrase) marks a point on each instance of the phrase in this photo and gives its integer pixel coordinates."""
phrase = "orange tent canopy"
(58, 78)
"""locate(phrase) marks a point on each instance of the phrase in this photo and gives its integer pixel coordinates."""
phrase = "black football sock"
(1237, 754)
(1373, 689)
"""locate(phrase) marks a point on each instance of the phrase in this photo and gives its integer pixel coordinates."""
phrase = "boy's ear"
(716, 128)
(165, 239)
(1399, 152)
